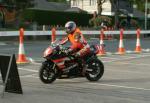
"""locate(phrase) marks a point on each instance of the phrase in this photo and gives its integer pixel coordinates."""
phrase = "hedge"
(46, 17)
(55, 17)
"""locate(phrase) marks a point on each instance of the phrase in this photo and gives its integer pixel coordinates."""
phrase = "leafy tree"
(97, 18)
(133, 23)
(99, 7)
(115, 5)
(140, 4)
(96, 21)
(63, 1)
(19, 4)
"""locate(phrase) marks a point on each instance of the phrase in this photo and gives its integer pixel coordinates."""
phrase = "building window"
(75, 2)
(78, 2)
(92, 2)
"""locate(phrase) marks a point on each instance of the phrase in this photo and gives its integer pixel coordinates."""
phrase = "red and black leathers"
(79, 46)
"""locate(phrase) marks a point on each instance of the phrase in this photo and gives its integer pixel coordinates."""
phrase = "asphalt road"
(34, 49)
(126, 78)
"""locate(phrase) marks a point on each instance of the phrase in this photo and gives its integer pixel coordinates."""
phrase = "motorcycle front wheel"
(47, 73)
(97, 70)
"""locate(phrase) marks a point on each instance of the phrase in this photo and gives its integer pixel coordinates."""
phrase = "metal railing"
(61, 32)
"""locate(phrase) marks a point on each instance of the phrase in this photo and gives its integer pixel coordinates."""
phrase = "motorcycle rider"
(79, 47)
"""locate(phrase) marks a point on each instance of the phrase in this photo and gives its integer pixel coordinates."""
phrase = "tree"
(115, 5)
(97, 18)
(97, 21)
(63, 1)
(140, 4)
(19, 4)
(99, 6)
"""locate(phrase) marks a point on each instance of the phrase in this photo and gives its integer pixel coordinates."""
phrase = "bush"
(96, 22)
(133, 23)
(43, 17)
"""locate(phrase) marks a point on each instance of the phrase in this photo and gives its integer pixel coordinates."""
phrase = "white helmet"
(70, 27)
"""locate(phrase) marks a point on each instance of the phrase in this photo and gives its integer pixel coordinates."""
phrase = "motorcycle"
(59, 63)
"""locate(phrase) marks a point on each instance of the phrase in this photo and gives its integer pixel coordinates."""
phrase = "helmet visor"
(68, 30)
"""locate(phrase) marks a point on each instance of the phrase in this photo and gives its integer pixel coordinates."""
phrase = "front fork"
(48, 64)
(86, 64)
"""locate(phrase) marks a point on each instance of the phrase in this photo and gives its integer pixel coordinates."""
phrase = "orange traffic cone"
(21, 55)
(138, 45)
(53, 36)
(121, 49)
(101, 47)
(109, 35)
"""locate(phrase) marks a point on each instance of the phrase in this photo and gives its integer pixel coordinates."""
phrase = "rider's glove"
(77, 55)
(68, 51)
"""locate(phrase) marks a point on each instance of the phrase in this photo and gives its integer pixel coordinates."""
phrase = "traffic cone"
(21, 55)
(101, 47)
(109, 35)
(138, 44)
(121, 49)
(53, 36)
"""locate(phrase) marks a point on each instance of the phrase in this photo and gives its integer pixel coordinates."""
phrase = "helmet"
(70, 27)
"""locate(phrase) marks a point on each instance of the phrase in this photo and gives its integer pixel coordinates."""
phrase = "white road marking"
(3, 43)
(28, 75)
(131, 72)
(132, 56)
(108, 58)
(108, 85)
(140, 64)
(120, 86)
(146, 50)
(33, 61)
(32, 76)
(8, 49)
(100, 84)
(30, 70)
(136, 57)
(36, 63)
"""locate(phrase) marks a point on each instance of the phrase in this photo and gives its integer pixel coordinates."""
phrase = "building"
(107, 8)
(148, 9)
(53, 6)
(91, 6)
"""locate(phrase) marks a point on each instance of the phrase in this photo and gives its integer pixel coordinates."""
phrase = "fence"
(61, 32)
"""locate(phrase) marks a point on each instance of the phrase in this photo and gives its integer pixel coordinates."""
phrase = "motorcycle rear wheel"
(47, 74)
(97, 70)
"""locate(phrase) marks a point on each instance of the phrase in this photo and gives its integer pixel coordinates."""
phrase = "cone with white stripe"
(21, 56)
(121, 49)
(138, 44)
(53, 36)
(101, 47)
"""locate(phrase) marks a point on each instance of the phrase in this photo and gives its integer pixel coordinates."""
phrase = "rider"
(79, 46)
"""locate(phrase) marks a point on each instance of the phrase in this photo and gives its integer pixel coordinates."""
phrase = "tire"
(97, 70)
(47, 74)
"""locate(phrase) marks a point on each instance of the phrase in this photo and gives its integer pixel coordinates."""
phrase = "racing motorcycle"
(59, 63)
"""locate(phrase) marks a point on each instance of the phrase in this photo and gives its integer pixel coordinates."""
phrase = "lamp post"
(145, 14)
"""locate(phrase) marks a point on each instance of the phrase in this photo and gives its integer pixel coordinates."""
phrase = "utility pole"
(145, 14)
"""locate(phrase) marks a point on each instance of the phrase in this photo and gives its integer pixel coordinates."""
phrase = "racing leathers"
(79, 46)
